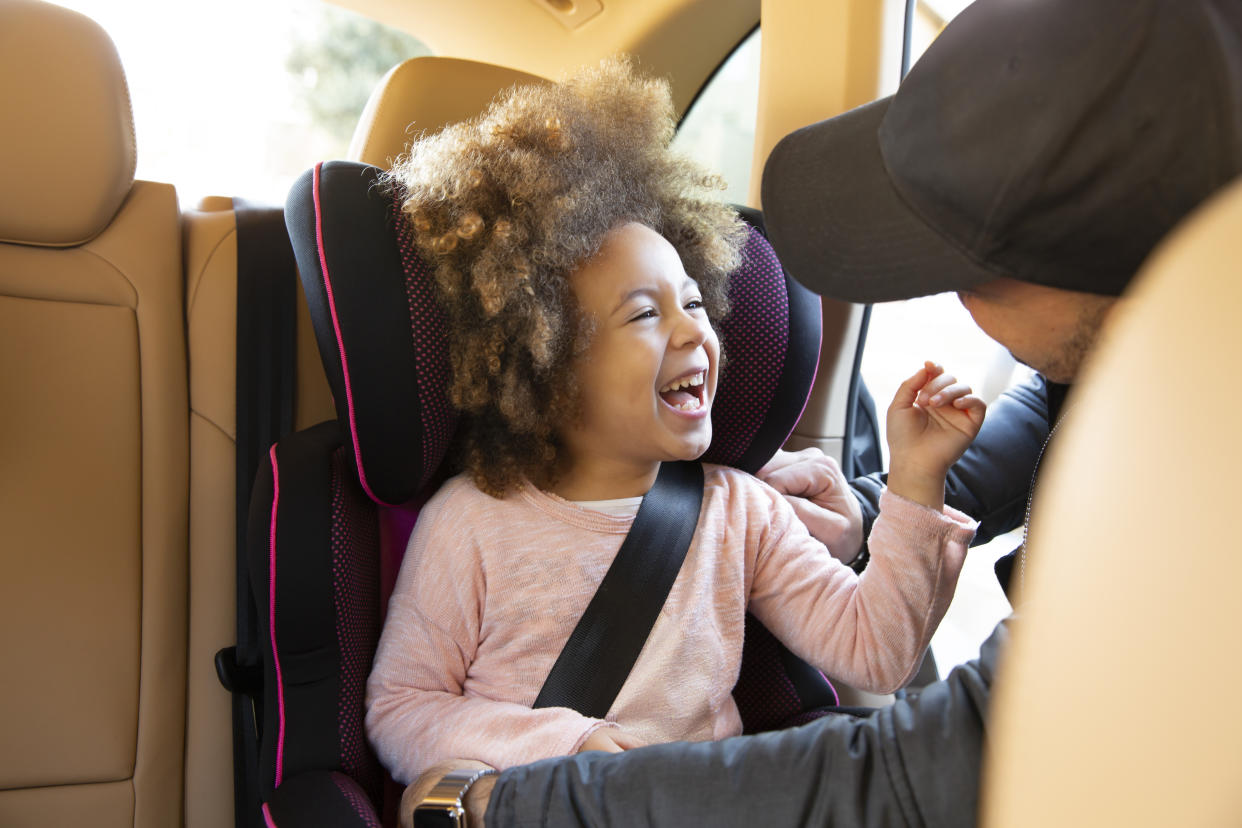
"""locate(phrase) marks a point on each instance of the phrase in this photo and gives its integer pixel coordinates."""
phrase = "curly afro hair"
(507, 205)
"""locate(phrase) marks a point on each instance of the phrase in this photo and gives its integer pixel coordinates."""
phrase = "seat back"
(94, 424)
(1133, 562)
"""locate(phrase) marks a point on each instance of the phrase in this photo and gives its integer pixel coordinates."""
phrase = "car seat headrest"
(771, 340)
(69, 145)
(381, 333)
(436, 91)
(383, 339)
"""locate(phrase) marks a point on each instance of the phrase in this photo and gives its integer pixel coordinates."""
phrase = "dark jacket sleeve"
(991, 481)
(915, 763)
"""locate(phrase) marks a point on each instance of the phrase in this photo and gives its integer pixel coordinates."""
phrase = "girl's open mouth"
(687, 393)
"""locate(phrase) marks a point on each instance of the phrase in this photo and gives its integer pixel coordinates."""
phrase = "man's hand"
(932, 419)
(813, 484)
(476, 797)
(610, 740)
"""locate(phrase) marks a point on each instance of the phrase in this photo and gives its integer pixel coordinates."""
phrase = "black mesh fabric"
(314, 563)
(321, 798)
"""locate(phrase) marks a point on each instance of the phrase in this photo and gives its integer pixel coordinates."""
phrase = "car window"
(718, 131)
(247, 118)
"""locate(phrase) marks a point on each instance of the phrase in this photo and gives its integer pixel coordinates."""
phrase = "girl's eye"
(649, 313)
(694, 304)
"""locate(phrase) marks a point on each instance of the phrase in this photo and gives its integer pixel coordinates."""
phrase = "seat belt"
(265, 378)
(602, 649)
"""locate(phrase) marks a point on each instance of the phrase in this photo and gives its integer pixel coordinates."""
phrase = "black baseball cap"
(1052, 141)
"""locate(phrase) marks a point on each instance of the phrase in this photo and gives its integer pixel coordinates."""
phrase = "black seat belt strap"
(602, 649)
(265, 377)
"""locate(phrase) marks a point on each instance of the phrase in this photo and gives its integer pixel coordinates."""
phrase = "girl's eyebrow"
(651, 291)
(646, 291)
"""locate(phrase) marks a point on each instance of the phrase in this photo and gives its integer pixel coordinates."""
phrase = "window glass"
(930, 16)
(238, 97)
(719, 130)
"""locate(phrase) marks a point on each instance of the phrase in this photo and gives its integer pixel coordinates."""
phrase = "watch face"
(438, 816)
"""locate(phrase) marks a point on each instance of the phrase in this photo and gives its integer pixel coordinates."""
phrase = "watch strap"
(448, 795)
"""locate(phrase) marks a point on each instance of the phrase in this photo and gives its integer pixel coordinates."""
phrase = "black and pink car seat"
(333, 507)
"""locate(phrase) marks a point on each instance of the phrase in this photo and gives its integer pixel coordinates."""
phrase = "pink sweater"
(490, 590)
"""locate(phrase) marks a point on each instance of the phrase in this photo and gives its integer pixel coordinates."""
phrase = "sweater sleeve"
(868, 630)
(419, 711)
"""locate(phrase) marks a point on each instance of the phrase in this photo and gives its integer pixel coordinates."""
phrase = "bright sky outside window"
(238, 97)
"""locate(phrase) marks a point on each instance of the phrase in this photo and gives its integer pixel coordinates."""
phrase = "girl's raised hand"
(931, 421)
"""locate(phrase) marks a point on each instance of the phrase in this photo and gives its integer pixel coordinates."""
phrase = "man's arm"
(914, 763)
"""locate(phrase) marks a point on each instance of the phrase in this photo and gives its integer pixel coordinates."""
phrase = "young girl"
(581, 265)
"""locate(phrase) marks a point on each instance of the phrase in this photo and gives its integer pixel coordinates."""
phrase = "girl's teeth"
(689, 382)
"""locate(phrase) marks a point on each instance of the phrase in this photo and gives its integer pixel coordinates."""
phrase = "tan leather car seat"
(1116, 704)
(93, 442)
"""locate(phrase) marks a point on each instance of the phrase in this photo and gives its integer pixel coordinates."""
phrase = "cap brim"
(841, 228)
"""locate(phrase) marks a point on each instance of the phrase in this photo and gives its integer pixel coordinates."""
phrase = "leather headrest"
(422, 95)
(68, 157)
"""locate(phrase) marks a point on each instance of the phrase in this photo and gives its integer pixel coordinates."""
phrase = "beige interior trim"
(1135, 568)
(522, 34)
(210, 241)
(818, 60)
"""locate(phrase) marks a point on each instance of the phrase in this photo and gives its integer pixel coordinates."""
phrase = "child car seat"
(333, 508)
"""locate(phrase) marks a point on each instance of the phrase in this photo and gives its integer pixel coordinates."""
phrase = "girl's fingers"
(949, 393)
(974, 407)
(933, 387)
(908, 391)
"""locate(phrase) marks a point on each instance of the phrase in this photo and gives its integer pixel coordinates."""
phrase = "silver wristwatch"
(443, 806)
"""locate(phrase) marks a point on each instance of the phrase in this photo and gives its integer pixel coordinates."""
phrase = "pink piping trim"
(271, 620)
(340, 340)
(267, 817)
(814, 376)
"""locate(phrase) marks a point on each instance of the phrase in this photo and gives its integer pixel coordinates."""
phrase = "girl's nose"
(692, 330)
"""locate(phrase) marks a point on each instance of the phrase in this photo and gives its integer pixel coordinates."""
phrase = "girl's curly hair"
(506, 205)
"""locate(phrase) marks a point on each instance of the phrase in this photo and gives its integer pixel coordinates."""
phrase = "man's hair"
(507, 205)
